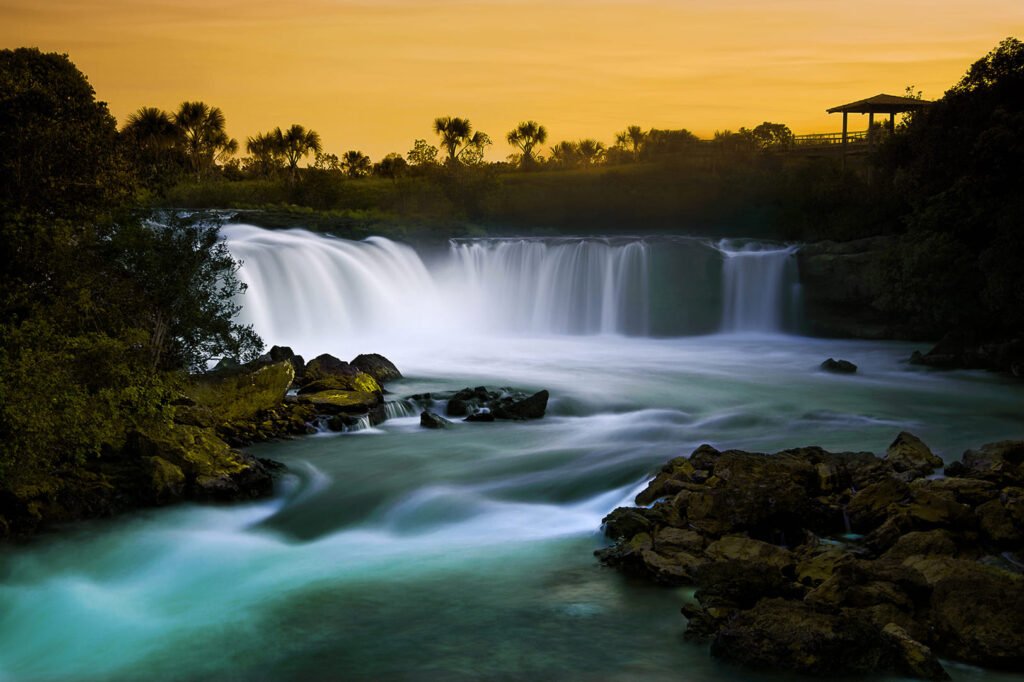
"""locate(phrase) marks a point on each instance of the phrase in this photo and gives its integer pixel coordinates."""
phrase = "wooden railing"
(830, 139)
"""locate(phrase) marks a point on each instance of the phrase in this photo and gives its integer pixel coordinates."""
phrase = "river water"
(399, 553)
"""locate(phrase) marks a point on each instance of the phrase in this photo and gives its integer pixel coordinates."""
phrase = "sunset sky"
(372, 75)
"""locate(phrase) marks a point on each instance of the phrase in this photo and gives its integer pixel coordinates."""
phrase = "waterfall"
(313, 291)
(760, 286)
(560, 286)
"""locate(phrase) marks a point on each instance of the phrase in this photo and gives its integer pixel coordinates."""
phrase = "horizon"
(373, 76)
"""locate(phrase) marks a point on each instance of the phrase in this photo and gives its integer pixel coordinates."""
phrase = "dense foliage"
(100, 312)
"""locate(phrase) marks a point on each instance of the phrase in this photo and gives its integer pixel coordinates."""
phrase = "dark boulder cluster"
(828, 563)
(839, 366)
(964, 351)
(481, 404)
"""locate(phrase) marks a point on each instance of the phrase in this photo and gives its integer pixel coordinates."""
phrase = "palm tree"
(526, 136)
(459, 140)
(266, 152)
(205, 139)
(565, 154)
(356, 164)
(153, 138)
(297, 142)
(634, 137)
(590, 151)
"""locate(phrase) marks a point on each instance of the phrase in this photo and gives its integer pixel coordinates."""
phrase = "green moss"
(342, 401)
(241, 394)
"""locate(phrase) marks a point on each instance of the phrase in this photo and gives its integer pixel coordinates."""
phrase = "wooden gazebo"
(879, 104)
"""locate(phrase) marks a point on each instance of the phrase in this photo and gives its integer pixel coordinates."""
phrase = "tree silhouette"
(459, 140)
(590, 152)
(526, 136)
(772, 135)
(296, 143)
(356, 164)
(267, 155)
(205, 138)
(153, 143)
(391, 166)
(632, 138)
(422, 154)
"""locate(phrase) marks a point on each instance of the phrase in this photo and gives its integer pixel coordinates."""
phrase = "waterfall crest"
(760, 287)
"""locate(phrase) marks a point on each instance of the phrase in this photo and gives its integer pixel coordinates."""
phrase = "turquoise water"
(400, 553)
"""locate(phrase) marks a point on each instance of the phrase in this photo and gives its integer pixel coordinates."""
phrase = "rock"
(786, 635)
(337, 402)
(938, 542)
(279, 353)
(166, 481)
(734, 548)
(839, 366)
(997, 525)
(978, 615)
(237, 394)
(625, 522)
(212, 470)
(339, 374)
(483, 415)
(740, 584)
(527, 408)
(912, 657)
(377, 366)
(429, 420)
(869, 508)
(1001, 463)
(909, 454)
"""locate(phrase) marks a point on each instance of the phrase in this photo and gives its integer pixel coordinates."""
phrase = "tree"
(58, 145)
(355, 164)
(153, 143)
(771, 135)
(633, 138)
(422, 154)
(391, 166)
(459, 140)
(205, 138)
(658, 142)
(266, 154)
(526, 136)
(296, 143)
(590, 151)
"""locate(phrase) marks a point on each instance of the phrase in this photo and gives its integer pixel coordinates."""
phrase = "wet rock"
(912, 657)
(869, 508)
(532, 407)
(787, 635)
(429, 420)
(735, 548)
(483, 415)
(908, 454)
(1001, 463)
(339, 375)
(625, 522)
(839, 366)
(377, 366)
(337, 402)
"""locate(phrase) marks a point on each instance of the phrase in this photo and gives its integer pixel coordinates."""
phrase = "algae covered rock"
(338, 402)
(240, 393)
(338, 375)
(909, 454)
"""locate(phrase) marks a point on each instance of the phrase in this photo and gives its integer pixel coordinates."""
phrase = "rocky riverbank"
(830, 563)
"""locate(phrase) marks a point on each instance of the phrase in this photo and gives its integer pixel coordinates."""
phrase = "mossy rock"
(333, 373)
(240, 393)
(337, 402)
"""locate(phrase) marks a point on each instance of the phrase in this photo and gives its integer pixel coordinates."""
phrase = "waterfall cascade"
(307, 290)
(760, 286)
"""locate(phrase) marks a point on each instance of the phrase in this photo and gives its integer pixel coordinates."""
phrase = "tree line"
(192, 142)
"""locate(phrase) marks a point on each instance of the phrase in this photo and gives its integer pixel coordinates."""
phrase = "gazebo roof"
(881, 104)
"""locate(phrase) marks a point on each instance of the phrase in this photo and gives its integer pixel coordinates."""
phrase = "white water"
(403, 553)
(759, 283)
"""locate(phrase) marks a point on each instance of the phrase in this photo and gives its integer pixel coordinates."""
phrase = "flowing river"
(399, 553)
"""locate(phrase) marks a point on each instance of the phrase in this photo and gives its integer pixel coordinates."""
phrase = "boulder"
(279, 353)
(910, 455)
(789, 635)
(735, 548)
(337, 402)
(237, 394)
(339, 375)
(912, 657)
(869, 507)
(922, 543)
(532, 407)
(482, 415)
(377, 366)
(1001, 463)
(429, 420)
(839, 366)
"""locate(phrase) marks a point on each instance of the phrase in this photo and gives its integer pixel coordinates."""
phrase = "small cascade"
(555, 286)
(398, 409)
(760, 287)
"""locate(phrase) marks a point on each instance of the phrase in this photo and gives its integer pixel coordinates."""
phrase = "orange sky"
(372, 74)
